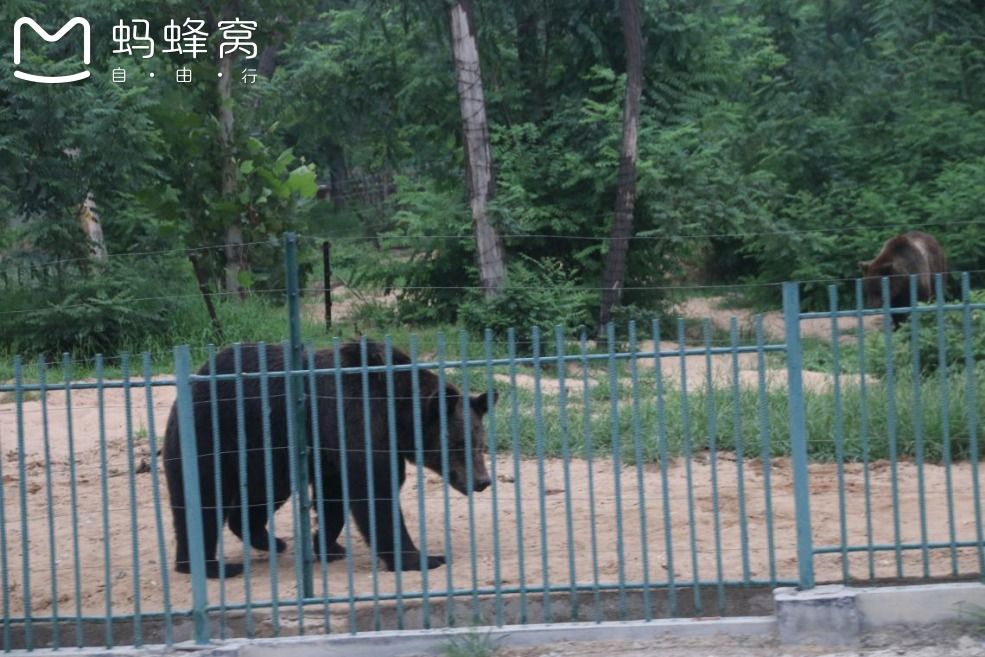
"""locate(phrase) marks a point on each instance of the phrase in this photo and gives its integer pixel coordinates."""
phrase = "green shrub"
(929, 341)
(106, 309)
(537, 293)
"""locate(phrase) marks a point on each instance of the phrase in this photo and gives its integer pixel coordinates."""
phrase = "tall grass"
(860, 422)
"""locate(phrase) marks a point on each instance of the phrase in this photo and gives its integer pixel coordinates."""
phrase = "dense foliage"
(779, 140)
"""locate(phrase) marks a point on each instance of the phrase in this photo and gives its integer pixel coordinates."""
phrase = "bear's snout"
(481, 483)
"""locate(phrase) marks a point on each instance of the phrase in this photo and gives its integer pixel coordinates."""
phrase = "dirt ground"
(593, 499)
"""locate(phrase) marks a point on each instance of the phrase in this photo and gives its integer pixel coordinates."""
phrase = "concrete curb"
(430, 642)
(838, 615)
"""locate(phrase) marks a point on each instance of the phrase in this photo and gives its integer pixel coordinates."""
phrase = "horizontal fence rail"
(664, 469)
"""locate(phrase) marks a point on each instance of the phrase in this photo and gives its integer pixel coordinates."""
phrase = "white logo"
(51, 38)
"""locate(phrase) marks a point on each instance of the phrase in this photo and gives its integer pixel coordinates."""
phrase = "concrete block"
(826, 615)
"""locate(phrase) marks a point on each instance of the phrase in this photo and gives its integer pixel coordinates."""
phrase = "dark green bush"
(537, 293)
(929, 341)
(106, 309)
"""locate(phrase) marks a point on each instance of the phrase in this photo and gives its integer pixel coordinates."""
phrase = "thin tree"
(614, 273)
(478, 153)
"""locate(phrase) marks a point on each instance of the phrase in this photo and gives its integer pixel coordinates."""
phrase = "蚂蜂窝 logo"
(51, 38)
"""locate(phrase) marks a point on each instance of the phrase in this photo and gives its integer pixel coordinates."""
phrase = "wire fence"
(283, 489)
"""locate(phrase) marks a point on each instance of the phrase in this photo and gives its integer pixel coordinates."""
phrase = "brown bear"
(368, 468)
(914, 252)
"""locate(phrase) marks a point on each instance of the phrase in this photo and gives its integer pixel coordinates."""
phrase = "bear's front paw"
(435, 562)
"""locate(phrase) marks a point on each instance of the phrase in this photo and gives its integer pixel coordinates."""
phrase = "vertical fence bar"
(493, 443)
(638, 457)
(445, 468)
(74, 498)
(344, 468)
(539, 449)
(688, 468)
(944, 399)
(156, 493)
(864, 427)
(52, 552)
(971, 404)
(318, 454)
(104, 486)
(517, 486)
(798, 435)
(463, 343)
(712, 429)
(739, 441)
(268, 478)
(565, 463)
(22, 498)
(415, 386)
(132, 483)
(302, 569)
(587, 434)
(190, 483)
(244, 491)
(395, 527)
(296, 404)
(664, 452)
(890, 379)
(220, 501)
(370, 497)
(917, 410)
(766, 445)
(616, 436)
(839, 429)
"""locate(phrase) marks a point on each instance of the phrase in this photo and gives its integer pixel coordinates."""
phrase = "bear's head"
(872, 273)
(458, 416)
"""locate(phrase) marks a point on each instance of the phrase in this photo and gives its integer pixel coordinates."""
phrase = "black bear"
(914, 252)
(357, 464)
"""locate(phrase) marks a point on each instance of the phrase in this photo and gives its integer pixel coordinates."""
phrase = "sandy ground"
(591, 495)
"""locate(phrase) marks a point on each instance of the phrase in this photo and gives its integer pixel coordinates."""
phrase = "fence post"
(296, 402)
(190, 482)
(798, 435)
(326, 255)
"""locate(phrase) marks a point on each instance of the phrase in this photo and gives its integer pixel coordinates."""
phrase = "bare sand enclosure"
(588, 495)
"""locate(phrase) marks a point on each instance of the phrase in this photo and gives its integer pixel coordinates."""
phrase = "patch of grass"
(11, 397)
(471, 644)
(858, 427)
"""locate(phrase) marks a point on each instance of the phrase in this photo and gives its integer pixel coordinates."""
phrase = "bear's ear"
(480, 403)
(431, 406)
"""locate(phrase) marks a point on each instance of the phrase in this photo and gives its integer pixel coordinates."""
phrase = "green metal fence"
(636, 476)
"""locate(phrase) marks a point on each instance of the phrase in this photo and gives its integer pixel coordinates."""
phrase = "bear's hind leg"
(410, 556)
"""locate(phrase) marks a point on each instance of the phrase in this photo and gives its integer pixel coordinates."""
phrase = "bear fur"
(360, 468)
(911, 253)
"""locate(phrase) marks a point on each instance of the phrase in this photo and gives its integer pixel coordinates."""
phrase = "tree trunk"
(235, 250)
(478, 154)
(89, 219)
(614, 272)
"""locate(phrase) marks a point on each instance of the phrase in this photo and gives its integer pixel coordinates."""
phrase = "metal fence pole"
(193, 500)
(798, 435)
(296, 401)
